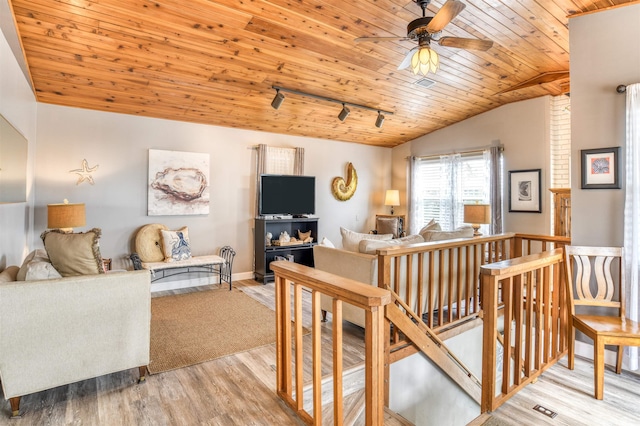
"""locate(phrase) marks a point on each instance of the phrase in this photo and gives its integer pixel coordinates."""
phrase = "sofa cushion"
(431, 226)
(175, 244)
(351, 239)
(462, 232)
(327, 243)
(74, 254)
(388, 225)
(40, 270)
(9, 274)
(38, 255)
(371, 246)
(36, 266)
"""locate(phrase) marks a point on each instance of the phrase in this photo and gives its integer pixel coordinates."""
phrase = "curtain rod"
(621, 88)
(474, 151)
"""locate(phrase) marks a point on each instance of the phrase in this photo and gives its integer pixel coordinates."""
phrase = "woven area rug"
(188, 329)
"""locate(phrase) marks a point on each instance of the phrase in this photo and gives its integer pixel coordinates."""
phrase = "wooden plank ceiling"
(216, 62)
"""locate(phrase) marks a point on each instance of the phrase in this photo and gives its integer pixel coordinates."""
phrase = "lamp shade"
(477, 213)
(65, 216)
(392, 197)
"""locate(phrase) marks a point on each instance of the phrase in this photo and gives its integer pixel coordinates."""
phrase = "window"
(444, 184)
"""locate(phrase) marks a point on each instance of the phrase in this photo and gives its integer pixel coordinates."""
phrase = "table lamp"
(476, 215)
(392, 198)
(65, 216)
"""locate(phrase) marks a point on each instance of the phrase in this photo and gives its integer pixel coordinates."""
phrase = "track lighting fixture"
(277, 100)
(344, 113)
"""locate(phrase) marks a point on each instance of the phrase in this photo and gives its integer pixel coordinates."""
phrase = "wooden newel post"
(489, 338)
(374, 366)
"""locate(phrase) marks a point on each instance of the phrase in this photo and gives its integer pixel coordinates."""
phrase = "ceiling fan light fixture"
(424, 60)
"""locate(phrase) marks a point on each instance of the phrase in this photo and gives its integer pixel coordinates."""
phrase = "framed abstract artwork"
(178, 183)
(524, 191)
(601, 168)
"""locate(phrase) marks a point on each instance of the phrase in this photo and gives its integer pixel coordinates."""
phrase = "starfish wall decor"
(85, 172)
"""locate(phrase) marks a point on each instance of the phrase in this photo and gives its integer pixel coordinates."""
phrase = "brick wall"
(560, 142)
(560, 146)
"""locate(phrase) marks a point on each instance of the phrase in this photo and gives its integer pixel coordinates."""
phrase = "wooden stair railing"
(425, 339)
(530, 292)
(480, 272)
(289, 345)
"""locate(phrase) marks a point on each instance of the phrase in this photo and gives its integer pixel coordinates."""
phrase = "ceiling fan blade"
(407, 59)
(377, 39)
(545, 77)
(449, 10)
(466, 43)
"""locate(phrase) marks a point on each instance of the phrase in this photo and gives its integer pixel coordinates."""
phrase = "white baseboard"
(585, 350)
(195, 282)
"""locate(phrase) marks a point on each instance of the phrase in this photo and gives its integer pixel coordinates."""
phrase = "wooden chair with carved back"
(596, 287)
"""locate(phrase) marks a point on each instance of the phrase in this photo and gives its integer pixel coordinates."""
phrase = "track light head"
(277, 100)
(344, 113)
(379, 120)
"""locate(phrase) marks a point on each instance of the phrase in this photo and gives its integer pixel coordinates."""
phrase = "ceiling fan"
(428, 28)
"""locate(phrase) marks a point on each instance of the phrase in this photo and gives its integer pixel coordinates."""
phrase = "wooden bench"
(148, 255)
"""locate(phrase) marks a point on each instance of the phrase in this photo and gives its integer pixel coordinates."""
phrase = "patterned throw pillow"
(175, 245)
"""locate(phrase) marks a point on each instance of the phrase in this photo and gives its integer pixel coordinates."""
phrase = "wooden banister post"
(374, 366)
(489, 338)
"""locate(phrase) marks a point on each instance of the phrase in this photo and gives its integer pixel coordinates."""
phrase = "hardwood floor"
(569, 393)
(240, 390)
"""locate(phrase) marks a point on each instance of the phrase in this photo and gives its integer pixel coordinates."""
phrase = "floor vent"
(425, 82)
(545, 411)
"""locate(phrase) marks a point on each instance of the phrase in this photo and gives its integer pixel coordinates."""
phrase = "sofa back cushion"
(351, 239)
(371, 246)
(462, 232)
(74, 253)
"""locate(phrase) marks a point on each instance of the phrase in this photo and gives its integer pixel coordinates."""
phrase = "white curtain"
(415, 221)
(450, 191)
(277, 161)
(632, 214)
(493, 159)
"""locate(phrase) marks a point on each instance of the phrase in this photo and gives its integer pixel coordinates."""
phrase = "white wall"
(604, 54)
(523, 129)
(117, 203)
(18, 106)
(425, 396)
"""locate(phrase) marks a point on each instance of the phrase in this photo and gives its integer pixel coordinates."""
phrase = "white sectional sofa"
(360, 262)
(59, 331)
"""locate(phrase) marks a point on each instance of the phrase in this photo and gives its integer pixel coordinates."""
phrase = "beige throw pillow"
(175, 245)
(149, 243)
(74, 253)
(351, 240)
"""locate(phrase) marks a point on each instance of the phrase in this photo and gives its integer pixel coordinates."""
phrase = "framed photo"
(600, 168)
(524, 191)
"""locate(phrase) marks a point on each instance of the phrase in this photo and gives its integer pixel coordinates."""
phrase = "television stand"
(265, 252)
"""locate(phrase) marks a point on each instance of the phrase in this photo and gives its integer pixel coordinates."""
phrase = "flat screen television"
(287, 195)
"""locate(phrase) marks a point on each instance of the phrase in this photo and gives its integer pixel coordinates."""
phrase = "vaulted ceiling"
(216, 62)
